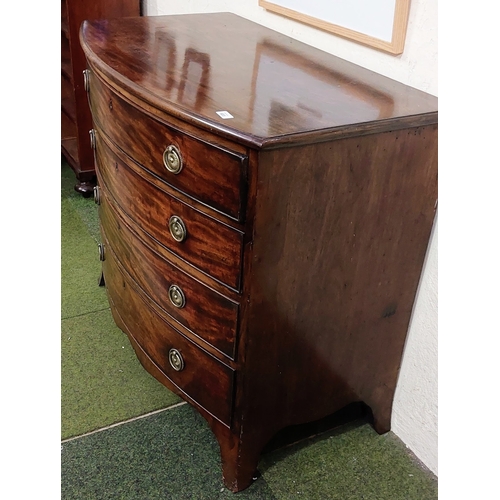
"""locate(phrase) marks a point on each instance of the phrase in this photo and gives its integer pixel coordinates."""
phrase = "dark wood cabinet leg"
(240, 455)
(86, 189)
(239, 467)
(381, 426)
(101, 281)
(382, 417)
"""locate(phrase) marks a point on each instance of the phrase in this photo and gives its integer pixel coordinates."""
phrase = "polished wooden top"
(277, 90)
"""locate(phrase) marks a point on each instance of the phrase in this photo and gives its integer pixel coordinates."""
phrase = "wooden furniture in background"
(265, 214)
(76, 120)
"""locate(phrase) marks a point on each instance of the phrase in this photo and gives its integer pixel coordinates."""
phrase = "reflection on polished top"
(248, 82)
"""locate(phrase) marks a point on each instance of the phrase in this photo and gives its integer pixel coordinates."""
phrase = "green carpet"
(102, 380)
(80, 267)
(348, 463)
(173, 454)
(84, 207)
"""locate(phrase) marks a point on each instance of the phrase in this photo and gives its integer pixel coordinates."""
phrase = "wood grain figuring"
(308, 217)
(146, 56)
(363, 241)
(207, 314)
(204, 379)
(210, 246)
(214, 176)
(225, 434)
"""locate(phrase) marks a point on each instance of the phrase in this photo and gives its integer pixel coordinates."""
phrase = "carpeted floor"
(125, 436)
(102, 380)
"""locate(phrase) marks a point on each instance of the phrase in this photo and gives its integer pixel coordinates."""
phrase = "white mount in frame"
(377, 23)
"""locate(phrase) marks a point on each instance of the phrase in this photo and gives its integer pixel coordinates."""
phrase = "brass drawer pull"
(172, 159)
(177, 228)
(176, 296)
(86, 80)
(176, 360)
(101, 252)
(97, 195)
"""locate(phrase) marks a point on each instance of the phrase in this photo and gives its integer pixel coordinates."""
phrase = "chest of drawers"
(265, 212)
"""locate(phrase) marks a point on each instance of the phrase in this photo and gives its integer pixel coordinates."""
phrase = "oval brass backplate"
(101, 252)
(172, 159)
(175, 359)
(176, 296)
(177, 228)
(97, 195)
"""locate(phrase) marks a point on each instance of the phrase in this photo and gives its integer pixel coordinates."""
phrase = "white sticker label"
(224, 114)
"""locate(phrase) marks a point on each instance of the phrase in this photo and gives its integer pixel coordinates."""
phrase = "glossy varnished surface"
(206, 313)
(210, 246)
(204, 379)
(308, 216)
(277, 89)
(210, 174)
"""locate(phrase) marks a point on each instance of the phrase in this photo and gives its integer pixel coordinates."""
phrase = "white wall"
(415, 404)
(415, 410)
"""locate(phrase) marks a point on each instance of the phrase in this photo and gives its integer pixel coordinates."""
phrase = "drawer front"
(203, 378)
(210, 174)
(204, 312)
(209, 245)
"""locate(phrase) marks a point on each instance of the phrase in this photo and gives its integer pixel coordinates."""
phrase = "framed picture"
(377, 23)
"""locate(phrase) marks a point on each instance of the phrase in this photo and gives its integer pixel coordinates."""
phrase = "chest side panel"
(340, 236)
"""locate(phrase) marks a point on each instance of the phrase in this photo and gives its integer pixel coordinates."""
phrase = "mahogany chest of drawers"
(265, 212)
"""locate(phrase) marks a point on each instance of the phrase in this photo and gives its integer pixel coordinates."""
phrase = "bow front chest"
(265, 212)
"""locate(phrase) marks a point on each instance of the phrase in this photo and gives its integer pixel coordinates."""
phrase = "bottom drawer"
(200, 376)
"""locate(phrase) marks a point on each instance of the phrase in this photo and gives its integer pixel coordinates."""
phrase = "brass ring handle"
(175, 359)
(101, 252)
(97, 195)
(86, 86)
(177, 228)
(86, 79)
(92, 138)
(172, 159)
(176, 296)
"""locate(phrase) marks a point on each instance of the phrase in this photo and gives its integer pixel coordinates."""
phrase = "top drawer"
(207, 173)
